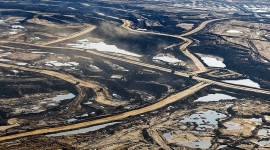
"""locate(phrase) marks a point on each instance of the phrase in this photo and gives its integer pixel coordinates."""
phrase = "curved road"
(101, 97)
(74, 35)
(143, 64)
(204, 82)
(126, 24)
(152, 107)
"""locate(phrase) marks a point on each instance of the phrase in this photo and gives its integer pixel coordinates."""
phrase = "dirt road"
(102, 97)
(200, 27)
(74, 35)
(160, 104)
(154, 134)
(185, 51)
(126, 24)
(143, 64)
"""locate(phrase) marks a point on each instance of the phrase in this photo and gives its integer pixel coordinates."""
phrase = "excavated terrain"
(133, 75)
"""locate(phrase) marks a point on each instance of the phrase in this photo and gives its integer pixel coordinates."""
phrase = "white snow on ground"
(5, 60)
(260, 10)
(213, 62)
(39, 52)
(101, 14)
(62, 97)
(15, 71)
(101, 46)
(233, 31)
(83, 130)
(139, 29)
(116, 76)
(50, 65)
(59, 64)
(22, 64)
(85, 115)
(115, 66)
(167, 59)
(72, 8)
(117, 96)
(88, 103)
(13, 32)
(35, 38)
(94, 67)
(74, 63)
(17, 26)
(214, 97)
(72, 120)
(246, 82)
(82, 41)
(8, 53)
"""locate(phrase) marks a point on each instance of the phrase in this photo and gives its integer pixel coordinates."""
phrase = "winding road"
(151, 66)
(160, 104)
(126, 24)
(102, 97)
(203, 82)
(74, 35)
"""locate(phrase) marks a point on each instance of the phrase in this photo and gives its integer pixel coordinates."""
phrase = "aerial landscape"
(135, 75)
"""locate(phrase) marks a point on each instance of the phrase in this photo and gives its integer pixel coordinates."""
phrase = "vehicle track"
(143, 64)
(126, 24)
(185, 51)
(102, 97)
(160, 104)
(154, 134)
(74, 35)
(173, 98)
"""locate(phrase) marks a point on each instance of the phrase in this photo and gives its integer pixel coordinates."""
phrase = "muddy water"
(263, 143)
(167, 135)
(264, 132)
(83, 130)
(205, 119)
(200, 144)
(233, 126)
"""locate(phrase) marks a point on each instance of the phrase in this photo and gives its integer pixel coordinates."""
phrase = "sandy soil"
(24, 56)
(186, 26)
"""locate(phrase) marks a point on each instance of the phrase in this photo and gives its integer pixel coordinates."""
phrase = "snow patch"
(213, 62)
(214, 97)
(234, 31)
(167, 59)
(101, 46)
(17, 27)
(59, 64)
(246, 82)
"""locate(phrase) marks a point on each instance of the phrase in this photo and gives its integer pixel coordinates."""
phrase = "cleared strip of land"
(74, 35)
(173, 98)
(143, 64)
(101, 97)
(126, 24)
(160, 104)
